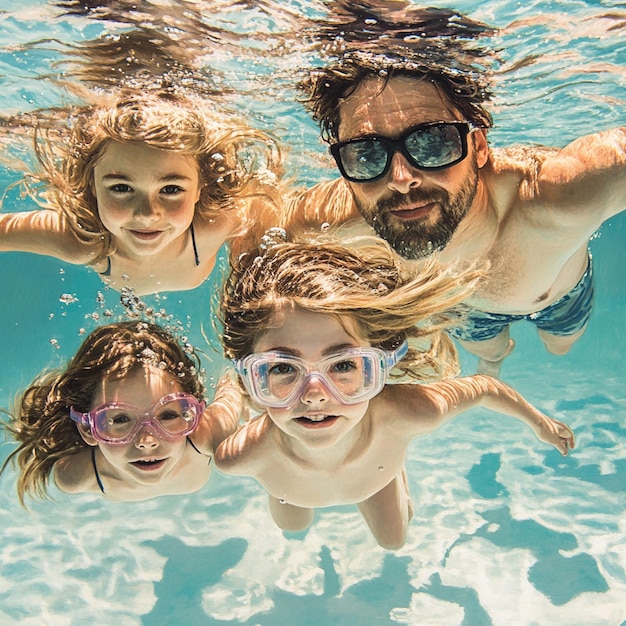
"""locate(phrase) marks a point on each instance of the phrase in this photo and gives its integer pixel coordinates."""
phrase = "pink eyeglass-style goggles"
(173, 416)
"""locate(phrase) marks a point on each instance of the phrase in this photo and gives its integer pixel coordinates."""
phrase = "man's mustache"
(416, 196)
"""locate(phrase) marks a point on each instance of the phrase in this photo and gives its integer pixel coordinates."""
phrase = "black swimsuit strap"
(196, 256)
(95, 469)
(107, 271)
(193, 243)
(195, 447)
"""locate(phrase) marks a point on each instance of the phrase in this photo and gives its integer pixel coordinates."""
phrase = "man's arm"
(587, 179)
(42, 232)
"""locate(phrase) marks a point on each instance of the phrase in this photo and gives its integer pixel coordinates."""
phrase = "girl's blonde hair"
(236, 162)
(361, 279)
(42, 423)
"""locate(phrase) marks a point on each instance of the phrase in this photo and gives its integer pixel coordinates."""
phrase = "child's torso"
(353, 479)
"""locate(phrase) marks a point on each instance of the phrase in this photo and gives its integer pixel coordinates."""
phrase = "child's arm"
(444, 400)
(247, 451)
(223, 414)
(42, 232)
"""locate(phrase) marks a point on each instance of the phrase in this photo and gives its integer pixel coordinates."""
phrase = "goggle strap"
(78, 417)
(393, 358)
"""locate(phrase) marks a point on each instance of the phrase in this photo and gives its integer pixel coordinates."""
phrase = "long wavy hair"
(236, 162)
(359, 279)
(41, 423)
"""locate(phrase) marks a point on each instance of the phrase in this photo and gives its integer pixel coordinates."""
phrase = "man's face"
(417, 211)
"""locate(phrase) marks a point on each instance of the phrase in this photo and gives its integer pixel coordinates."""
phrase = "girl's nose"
(146, 438)
(147, 209)
(315, 391)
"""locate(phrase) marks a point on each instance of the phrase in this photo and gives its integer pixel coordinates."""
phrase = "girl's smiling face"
(316, 419)
(146, 197)
(147, 459)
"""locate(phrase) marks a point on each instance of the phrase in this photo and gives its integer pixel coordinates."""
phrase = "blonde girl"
(317, 331)
(145, 189)
(126, 419)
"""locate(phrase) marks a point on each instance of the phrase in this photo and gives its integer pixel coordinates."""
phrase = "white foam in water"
(505, 531)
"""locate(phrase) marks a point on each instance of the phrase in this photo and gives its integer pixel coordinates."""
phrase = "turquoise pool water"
(506, 531)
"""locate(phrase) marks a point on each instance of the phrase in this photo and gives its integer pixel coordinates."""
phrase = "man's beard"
(415, 239)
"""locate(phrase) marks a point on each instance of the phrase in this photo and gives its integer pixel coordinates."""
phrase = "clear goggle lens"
(174, 415)
(278, 380)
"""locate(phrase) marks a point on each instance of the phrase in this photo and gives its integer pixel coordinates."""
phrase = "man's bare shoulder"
(582, 184)
(328, 202)
(519, 166)
(246, 449)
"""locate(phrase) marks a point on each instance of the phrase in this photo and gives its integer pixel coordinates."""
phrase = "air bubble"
(68, 298)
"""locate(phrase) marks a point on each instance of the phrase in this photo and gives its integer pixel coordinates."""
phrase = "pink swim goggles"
(174, 415)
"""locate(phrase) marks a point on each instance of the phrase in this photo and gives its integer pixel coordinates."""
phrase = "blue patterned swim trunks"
(565, 317)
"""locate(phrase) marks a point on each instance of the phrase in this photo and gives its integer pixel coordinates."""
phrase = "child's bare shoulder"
(74, 474)
(411, 408)
(247, 447)
(401, 398)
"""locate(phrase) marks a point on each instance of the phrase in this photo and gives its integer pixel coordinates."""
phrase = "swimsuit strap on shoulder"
(193, 243)
(193, 445)
(95, 469)
(107, 271)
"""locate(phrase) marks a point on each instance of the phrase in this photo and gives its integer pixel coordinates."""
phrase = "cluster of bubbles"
(272, 237)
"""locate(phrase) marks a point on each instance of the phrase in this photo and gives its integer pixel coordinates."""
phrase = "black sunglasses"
(432, 146)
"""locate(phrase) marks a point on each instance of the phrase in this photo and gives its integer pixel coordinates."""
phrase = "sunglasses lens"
(435, 146)
(364, 160)
(429, 146)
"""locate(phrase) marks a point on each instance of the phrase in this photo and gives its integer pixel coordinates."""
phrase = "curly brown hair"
(42, 425)
(372, 39)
